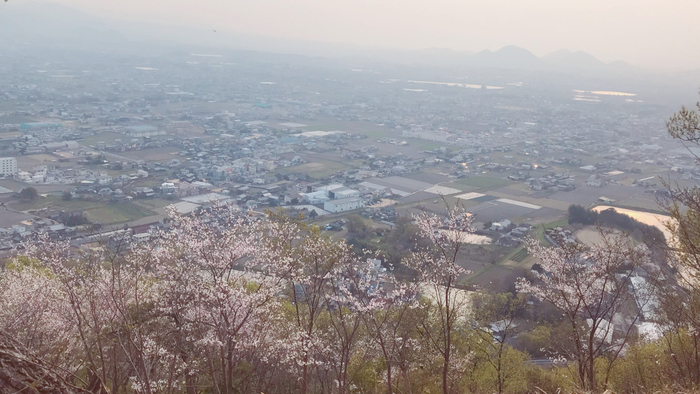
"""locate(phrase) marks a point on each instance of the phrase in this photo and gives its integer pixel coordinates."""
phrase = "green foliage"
(28, 194)
(357, 227)
(20, 263)
(610, 217)
(579, 214)
(535, 341)
(548, 381)
(513, 373)
(491, 308)
(654, 366)
(520, 255)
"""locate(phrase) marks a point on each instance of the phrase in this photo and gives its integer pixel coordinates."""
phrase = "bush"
(28, 194)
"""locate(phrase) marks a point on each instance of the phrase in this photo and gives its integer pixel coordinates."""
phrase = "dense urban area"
(207, 220)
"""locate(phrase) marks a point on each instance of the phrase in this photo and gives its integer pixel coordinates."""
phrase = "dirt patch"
(589, 236)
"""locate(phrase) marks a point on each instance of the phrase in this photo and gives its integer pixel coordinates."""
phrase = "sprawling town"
(108, 147)
(188, 209)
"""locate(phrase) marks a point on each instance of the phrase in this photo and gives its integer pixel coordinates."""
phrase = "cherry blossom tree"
(92, 305)
(310, 263)
(33, 310)
(217, 303)
(591, 287)
(439, 272)
(385, 311)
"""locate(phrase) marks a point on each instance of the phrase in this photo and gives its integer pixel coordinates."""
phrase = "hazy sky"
(650, 33)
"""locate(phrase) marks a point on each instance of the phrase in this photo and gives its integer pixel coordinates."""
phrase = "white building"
(500, 226)
(316, 197)
(105, 180)
(342, 205)
(342, 192)
(646, 300)
(168, 188)
(594, 181)
(8, 166)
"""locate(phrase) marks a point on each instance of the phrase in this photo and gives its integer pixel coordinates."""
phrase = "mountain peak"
(573, 60)
(513, 49)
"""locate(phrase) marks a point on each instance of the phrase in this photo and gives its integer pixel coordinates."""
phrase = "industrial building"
(342, 205)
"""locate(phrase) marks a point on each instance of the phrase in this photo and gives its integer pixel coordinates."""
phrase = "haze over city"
(349, 197)
(654, 34)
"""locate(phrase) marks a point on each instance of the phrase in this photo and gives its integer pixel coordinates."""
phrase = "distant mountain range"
(511, 58)
(56, 27)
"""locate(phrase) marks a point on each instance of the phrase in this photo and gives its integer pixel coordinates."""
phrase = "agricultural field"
(520, 255)
(107, 138)
(423, 144)
(376, 134)
(153, 180)
(99, 212)
(315, 169)
(155, 154)
(53, 203)
(484, 182)
(109, 214)
(29, 161)
(10, 135)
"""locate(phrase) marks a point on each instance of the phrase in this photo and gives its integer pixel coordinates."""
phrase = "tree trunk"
(21, 372)
(388, 377)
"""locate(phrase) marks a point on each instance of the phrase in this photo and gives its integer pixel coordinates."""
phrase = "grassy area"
(102, 168)
(520, 187)
(95, 211)
(117, 213)
(322, 127)
(378, 134)
(539, 231)
(151, 181)
(318, 169)
(520, 255)
(515, 253)
(54, 202)
(484, 182)
(104, 137)
(424, 145)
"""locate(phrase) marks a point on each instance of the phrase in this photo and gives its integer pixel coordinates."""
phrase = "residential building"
(8, 166)
(594, 181)
(168, 188)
